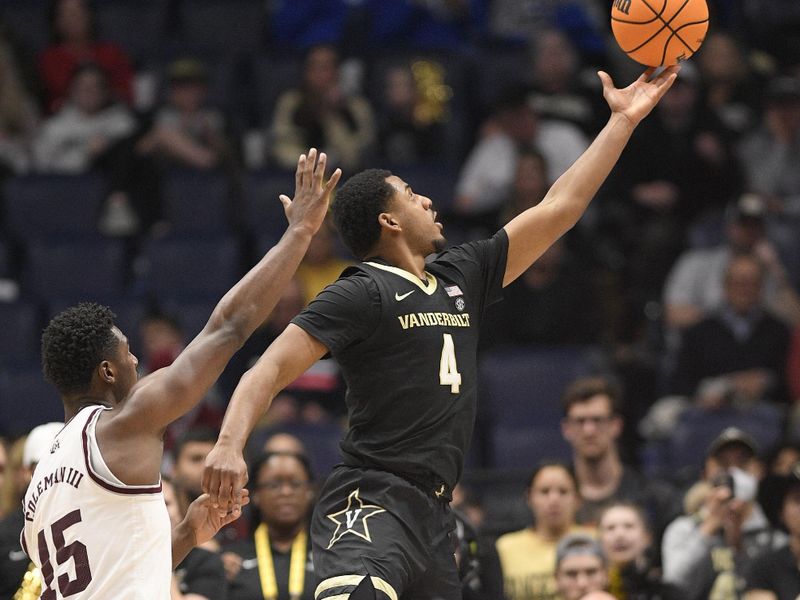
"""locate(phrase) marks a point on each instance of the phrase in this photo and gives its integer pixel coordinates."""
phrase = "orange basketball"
(659, 33)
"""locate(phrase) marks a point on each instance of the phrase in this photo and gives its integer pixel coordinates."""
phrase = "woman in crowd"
(275, 562)
(528, 556)
(73, 32)
(627, 543)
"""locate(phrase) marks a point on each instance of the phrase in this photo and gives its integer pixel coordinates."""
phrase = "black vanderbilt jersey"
(408, 352)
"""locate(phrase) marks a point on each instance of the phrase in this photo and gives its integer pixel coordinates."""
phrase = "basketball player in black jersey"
(405, 331)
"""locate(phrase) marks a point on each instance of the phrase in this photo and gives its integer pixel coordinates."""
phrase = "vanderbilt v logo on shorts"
(353, 518)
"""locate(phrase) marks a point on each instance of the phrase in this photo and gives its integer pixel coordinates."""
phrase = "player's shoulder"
(472, 250)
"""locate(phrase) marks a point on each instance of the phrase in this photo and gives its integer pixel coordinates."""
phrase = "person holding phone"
(707, 554)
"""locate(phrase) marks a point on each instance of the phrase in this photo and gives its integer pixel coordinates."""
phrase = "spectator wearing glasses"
(275, 562)
(592, 425)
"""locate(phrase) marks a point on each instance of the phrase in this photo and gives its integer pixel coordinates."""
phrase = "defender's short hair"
(74, 343)
(356, 208)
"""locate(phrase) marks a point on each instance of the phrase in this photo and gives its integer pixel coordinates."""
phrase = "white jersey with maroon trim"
(92, 536)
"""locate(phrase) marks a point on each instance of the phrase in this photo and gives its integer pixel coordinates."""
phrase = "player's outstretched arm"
(535, 230)
(288, 357)
(201, 523)
(167, 394)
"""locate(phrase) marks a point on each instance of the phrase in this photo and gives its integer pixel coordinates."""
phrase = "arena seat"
(27, 400)
(188, 267)
(225, 26)
(21, 327)
(39, 206)
(72, 269)
(138, 26)
(522, 388)
(262, 209)
(197, 201)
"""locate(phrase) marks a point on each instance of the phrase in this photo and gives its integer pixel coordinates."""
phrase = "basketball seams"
(674, 33)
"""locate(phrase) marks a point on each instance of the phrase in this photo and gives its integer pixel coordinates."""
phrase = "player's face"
(623, 535)
(416, 216)
(126, 364)
(579, 574)
(283, 492)
(591, 427)
(553, 498)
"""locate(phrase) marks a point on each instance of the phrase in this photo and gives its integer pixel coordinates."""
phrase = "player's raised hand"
(225, 476)
(639, 98)
(204, 520)
(311, 193)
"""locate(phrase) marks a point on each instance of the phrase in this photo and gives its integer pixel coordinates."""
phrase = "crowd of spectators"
(673, 471)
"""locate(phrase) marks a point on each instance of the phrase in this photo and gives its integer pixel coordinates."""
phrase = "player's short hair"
(74, 343)
(356, 208)
(202, 435)
(584, 388)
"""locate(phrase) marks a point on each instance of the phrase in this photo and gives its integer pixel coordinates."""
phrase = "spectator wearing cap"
(23, 457)
(695, 285)
(776, 574)
(706, 554)
(187, 132)
(736, 356)
(581, 567)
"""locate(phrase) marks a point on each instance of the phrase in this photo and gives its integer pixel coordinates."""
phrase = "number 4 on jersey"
(448, 369)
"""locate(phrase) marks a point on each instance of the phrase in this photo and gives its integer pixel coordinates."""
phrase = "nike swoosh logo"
(399, 297)
(16, 555)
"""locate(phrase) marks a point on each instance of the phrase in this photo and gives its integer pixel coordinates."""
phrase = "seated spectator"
(275, 561)
(782, 459)
(410, 125)
(527, 557)
(775, 575)
(86, 127)
(321, 115)
(679, 165)
(187, 132)
(695, 285)
(627, 542)
(284, 443)
(581, 567)
(74, 40)
(201, 575)
(592, 425)
(17, 572)
(18, 116)
(487, 175)
(320, 266)
(770, 154)
(557, 89)
(547, 304)
(731, 89)
(478, 563)
(736, 355)
(707, 555)
(162, 341)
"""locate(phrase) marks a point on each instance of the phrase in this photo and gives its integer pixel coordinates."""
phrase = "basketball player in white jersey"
(95, 519)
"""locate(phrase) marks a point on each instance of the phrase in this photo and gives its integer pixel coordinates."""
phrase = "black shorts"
(371, 523)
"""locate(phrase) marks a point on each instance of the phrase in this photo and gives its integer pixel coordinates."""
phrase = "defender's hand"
(225, 476)
(311, 198)
(638, 99)
(204, 520)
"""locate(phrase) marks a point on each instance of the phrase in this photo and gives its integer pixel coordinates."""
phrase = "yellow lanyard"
(266, 569)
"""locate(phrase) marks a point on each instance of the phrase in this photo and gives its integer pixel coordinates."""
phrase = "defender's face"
(416, 216)
(126, 364)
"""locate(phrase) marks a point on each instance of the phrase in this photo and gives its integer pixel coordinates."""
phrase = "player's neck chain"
(266, 568)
